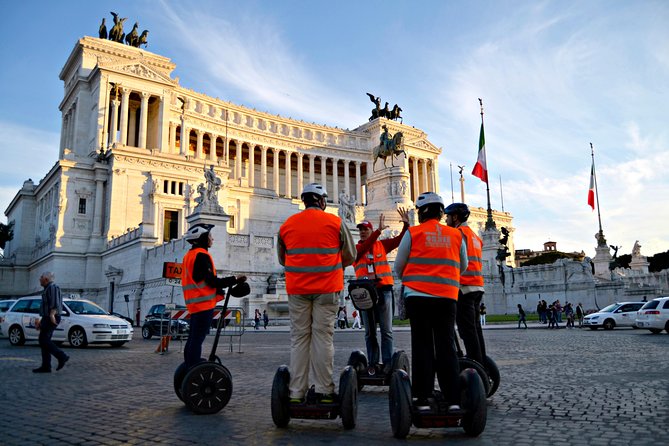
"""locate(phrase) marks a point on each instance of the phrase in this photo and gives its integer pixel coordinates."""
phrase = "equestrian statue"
(390, 147)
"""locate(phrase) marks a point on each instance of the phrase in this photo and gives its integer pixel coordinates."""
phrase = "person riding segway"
(430, 259)
(314, 262)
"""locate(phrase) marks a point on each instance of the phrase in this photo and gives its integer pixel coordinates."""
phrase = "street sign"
(173, 282)
(172, 270)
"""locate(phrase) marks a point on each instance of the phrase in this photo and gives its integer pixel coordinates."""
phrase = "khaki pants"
(312, 318)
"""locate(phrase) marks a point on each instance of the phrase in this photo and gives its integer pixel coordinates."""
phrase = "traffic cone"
(164, 344)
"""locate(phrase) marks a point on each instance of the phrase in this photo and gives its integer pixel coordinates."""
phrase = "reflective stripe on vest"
(473, 276)
(382, 269)
(433, 266)
(198, 295)
(313, 252)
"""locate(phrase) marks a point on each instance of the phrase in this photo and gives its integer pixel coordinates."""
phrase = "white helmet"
(428, 198)
(194, 233)
(314, 188)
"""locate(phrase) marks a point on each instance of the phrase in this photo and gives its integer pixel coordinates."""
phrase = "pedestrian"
(558, 311)
(356, 319)
(552, 316)
(50, 314)
(471, 285)
(341, 318)
(201, 289)
(430, 259)
(482, 312)
(256, 320)
(521, 316)
(569, 314)
(580, 314)
(540, 311)
(265, 319)
(315, 247)
(371, 263)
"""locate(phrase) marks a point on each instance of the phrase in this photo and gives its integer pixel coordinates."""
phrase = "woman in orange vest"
(430, 259)
(371, 262)
(471, 285)
(201, 289)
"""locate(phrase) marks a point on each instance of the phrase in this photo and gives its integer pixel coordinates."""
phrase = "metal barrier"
(234, 326)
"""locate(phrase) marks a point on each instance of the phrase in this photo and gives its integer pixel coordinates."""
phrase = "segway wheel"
(348, 397)
(399, 403)
(466, 363)
(358, 361)
(493, 374)
(207, 388)
(179, 375)
(473, 400)
(401, 362)
(280, 397)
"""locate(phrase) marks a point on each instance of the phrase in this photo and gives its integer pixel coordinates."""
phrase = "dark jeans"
(469, 325)
(433, 347)
(46, 344)
(199, 323)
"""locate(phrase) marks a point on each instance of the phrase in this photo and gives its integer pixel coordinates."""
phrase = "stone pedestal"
(489, 251)
(601, 261)
(219, 232)
(639, 263)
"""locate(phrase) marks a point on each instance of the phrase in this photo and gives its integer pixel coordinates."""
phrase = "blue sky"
(554, 76)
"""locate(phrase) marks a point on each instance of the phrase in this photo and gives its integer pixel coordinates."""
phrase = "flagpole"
(490, 223)
(501, 192)
(601, 239)
(452, 196)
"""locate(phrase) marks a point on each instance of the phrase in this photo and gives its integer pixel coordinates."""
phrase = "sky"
(554, 76)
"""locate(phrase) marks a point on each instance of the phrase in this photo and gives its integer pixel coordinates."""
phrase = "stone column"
(347, 186)
(424, 166)
(414, 171)
(275, 170)
(97, 213)
(144, 119)
(173, 138)
(289, 176)
(335, 181)
(435, 174)
(300, 174)
(251, 173)
(324, 172)
(312, 169)
(238, 159)
(185, 137)
(226, 150)
(125, 103)
(198, 147)
(114, 128)
(263, 167)
(358, 183)
(212, 147)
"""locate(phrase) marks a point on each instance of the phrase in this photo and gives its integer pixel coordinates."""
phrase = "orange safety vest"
(433, 266)
(473, 276)
(198, 295)
(375, 264)
(313, 252)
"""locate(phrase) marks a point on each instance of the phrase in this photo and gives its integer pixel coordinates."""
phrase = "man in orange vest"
(430, 259)
(471, 285)
(201, 289)
(371, 262)
(314, 247)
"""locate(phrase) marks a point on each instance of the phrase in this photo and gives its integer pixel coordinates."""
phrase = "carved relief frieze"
(263, 242)
(238, 240)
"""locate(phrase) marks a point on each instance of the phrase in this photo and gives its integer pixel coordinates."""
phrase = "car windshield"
(609, 309)
(83, 307)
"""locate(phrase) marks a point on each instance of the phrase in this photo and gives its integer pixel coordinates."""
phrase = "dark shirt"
(202, 270)
(51, 299)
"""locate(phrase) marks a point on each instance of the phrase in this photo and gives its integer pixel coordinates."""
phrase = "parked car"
(4, 306)
(120, 316)
(654, 315)
(160, 322)
(82, 323)
(621, 314)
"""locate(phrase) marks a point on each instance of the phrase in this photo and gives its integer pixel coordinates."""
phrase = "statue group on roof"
(116, 34)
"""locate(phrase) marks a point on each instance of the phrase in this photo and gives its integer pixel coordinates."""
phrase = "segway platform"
(374, 375)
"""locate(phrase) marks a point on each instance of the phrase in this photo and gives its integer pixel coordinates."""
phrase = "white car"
(622, 314)
(654, 315)
(82, 323)
(4, 306)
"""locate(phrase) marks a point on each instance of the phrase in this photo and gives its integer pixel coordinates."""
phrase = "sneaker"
(41, 370)
(327, 398)
(422, 404)
(61, 364)
(296, 400)
(453, 407)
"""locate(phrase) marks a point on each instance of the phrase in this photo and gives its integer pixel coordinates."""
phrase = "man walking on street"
(50, 311)
(314, 247)
(521, 316)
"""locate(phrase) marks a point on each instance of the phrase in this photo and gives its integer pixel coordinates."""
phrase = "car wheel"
(593, 328)
(609, 324)
(655, 330)
(117, 344)
(16, 336)
(77, 337)
(146, 332)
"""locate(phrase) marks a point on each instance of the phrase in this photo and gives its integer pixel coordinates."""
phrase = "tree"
(549, 258)
(6, 233)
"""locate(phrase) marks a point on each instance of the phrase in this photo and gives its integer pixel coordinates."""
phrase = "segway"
(488, 371)
(374, 375)
(206, 387)
(404, 411)
(345, 404)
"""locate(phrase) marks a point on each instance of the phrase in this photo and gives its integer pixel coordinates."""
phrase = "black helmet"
(459, 209)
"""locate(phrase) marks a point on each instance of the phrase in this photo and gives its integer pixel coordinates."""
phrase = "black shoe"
(41, 370)
(61, 363)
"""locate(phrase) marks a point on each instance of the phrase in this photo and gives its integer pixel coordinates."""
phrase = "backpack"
(362, 293)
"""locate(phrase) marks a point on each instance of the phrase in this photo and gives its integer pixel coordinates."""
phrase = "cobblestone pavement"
(558, 387)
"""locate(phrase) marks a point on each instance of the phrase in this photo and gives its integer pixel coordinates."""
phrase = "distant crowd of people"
(552, 314)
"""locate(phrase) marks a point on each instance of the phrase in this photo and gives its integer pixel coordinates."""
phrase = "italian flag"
(481, 169)
(591, 191)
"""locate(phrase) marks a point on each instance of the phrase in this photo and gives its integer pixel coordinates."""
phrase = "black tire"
(358, 361)
(280, 397)
(666, 327)
(655, 330)
(609, 324)
(77, 337)
(16, 336)
(593, 328)
(207, 388)
(117, 344)
(348, 397)
(146, 332)
(399, 403)
(401, 362)
(179, 375)
(466, 363)
(493, 374)
(473, 402)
